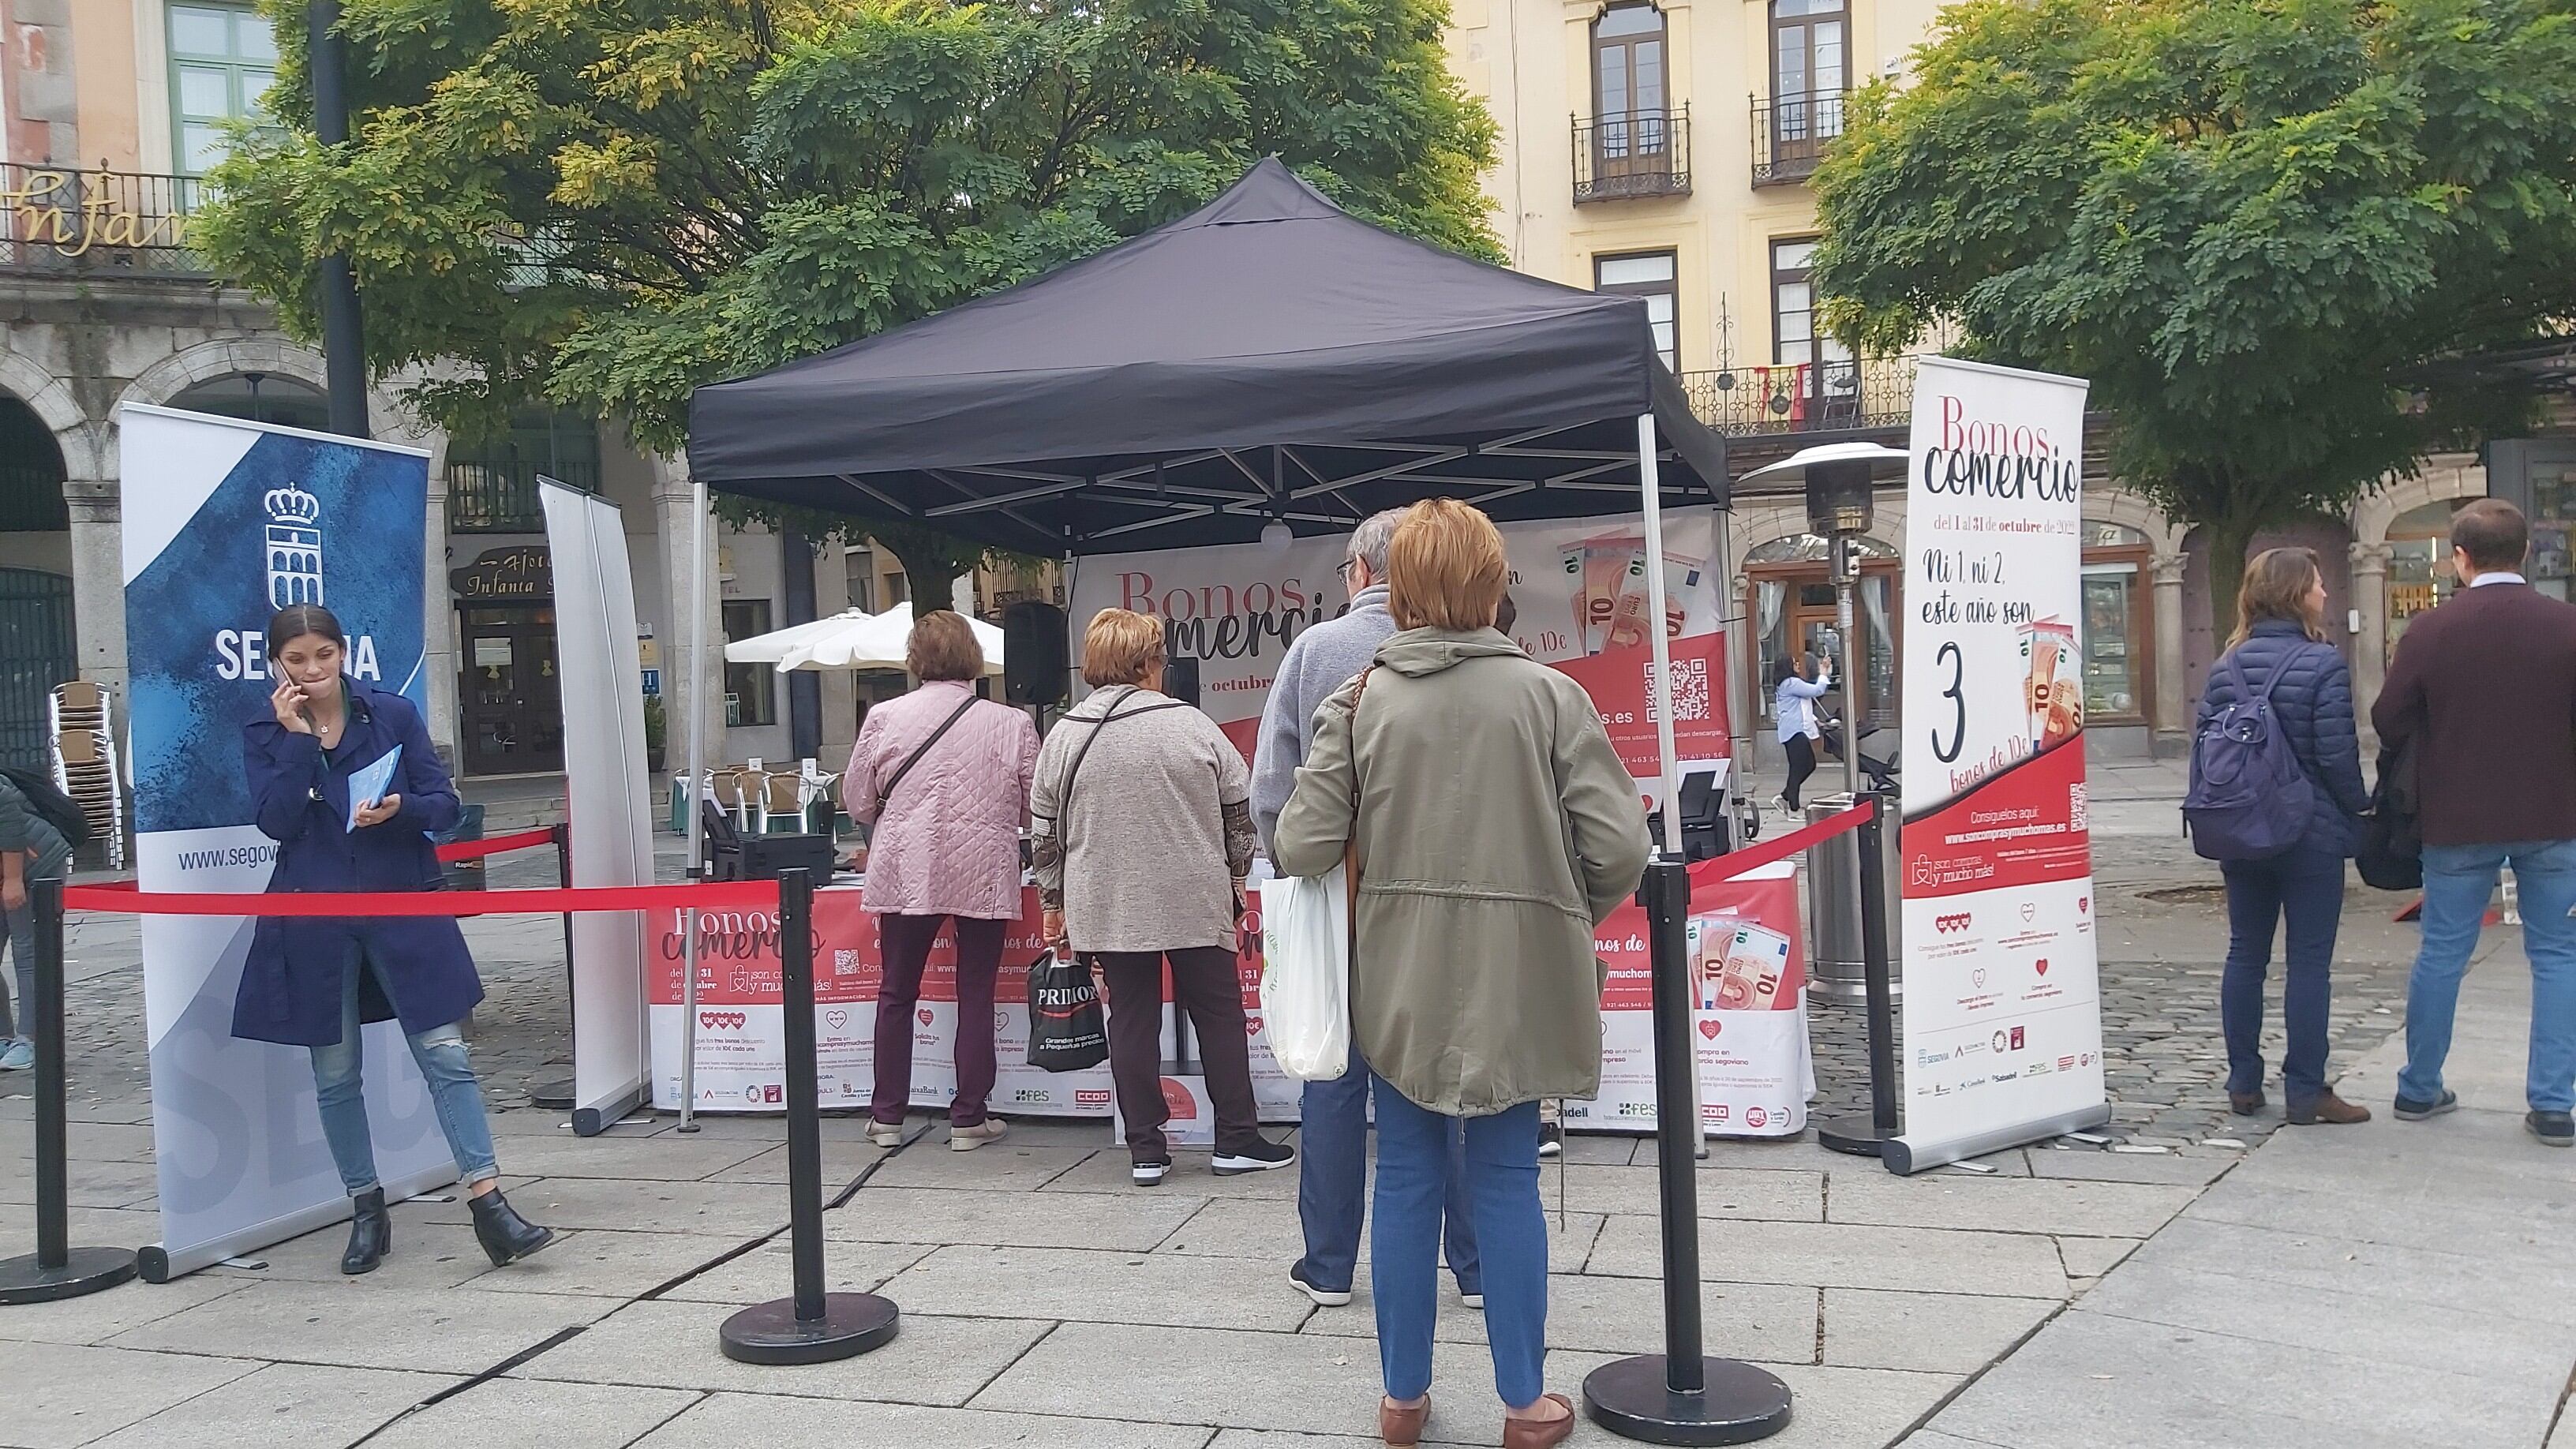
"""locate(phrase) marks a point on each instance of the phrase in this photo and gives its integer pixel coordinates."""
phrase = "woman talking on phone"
(343, 777)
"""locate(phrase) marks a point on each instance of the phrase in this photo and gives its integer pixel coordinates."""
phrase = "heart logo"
(2083, 904)
(1978, 976)
(2043, 965)
(1709, 1029)
(1252, 1026)
(2027, 911)
(925, 1016)
(837, 1017)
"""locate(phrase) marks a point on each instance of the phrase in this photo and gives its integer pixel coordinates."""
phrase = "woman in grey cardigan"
(1142, 833)
(1474, 990)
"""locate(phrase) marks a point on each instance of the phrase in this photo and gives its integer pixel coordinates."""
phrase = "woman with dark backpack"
(2279, 657)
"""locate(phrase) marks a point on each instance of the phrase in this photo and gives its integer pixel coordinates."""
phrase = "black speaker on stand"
(1180, 671)
(1035, 656)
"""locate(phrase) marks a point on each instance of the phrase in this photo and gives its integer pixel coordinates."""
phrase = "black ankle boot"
(371, 1233)
(506, 1237)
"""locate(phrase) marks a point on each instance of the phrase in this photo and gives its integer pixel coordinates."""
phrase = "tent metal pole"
(1659, 689)
(689, 815)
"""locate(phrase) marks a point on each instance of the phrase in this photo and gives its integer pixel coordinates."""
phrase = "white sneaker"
(18, 1055)
(1475, 1301)
(967, 1139)
(885, 1134)
(1148, 1174)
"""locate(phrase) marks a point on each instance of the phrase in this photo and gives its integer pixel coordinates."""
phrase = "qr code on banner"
(1689, 687)
(2076, 807)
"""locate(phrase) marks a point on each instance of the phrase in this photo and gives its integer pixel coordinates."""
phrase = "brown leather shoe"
(2330, 1109)
(2245, 1104)
(1402, 1428)
(1539, 1433)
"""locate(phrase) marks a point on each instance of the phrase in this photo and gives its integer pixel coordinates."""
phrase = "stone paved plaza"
(2392, 1284)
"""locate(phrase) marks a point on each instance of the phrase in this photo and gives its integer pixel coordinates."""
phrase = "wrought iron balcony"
(1805, 397)
(1632, 154)
(1790, 133)
(66, 219)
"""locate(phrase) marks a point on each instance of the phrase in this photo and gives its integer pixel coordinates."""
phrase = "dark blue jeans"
(1332, 1183)
(2304, 888)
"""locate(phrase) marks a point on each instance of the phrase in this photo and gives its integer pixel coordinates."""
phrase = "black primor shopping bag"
(1067, 1032)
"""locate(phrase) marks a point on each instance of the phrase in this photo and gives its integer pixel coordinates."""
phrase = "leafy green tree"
(2286, 239)
(606, 203)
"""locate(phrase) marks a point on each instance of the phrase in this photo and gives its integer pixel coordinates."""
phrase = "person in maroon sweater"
(2485, 687)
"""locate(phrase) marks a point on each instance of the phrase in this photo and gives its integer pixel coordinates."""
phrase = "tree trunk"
(929, 569)
(2229, 538)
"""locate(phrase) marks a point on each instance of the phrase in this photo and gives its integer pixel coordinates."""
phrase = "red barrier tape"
(456, 850)
(745, 895)
(1739, 862)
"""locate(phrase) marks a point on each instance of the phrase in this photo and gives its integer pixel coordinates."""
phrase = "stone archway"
(2443, 477)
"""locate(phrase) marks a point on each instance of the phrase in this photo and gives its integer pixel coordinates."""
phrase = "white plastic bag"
(1306, 973)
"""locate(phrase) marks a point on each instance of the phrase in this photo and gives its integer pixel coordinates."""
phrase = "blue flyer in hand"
(367, 783)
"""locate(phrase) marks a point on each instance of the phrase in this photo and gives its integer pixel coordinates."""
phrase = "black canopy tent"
(1268, 357)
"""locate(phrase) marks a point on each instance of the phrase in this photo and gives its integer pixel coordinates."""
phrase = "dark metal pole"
(56, 1269)
(812, 1326)
(1875, 968)
(1853, 1134)
(1680, 1396)
(344, 353)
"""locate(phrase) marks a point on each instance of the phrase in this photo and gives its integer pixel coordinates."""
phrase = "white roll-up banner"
(226, 522)
(607, 796)
(2003, 1019)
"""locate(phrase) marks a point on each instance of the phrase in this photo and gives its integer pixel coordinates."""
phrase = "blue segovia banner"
(226, 522)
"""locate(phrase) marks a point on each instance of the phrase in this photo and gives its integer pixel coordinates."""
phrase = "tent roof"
(1269, 355)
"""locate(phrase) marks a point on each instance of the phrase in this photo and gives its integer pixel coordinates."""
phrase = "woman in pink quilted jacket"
(944, 777)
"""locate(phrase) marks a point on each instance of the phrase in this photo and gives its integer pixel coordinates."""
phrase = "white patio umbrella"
(768, 648)
(863, 641)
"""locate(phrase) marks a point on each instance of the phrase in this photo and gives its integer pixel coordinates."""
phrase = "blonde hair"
(942, 645)
(2276, 586)
(1120, 647)
(1445, 567)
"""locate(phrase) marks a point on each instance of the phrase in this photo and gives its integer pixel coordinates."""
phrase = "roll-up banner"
(2003, 1021)
(226, 522)
(608, 799)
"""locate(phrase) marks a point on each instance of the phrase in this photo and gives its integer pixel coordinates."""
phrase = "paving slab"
(531, 1414)
(843, 1159)
(1777, 1195)
(739, 1209)
(2531, 1223)
(1106, 1171)
(93, 1183)
(1268, 1231)
(769, 1271)
(605, 1263)
(731, 1421)
(1847, 1408)
(2529, 1358)
(368, 1325)
(1765, 1322)
(1128, 1222)
(2093, 1379)
(2021, 1204)
(1846, 1255)
(102, 1316)
(427, 1254)
(2090, 1164)
(2093, 1257)
(660, 1156)
(1265, 1439)
(2532, 1290)
(941, 1361)
(1946, 1333)
(283, 1406)
(116, 1387)
(1173, 1289)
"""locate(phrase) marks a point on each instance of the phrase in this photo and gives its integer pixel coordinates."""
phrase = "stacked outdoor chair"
(85, 763)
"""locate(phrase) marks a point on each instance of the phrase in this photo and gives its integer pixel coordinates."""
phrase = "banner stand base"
(1856, 1135)
(771, 1333)
(83, 1270)
(1736, 1404)
(591, 1121)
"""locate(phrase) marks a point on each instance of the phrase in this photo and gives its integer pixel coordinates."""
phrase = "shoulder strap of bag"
(1064, 792)
(1351, 842)
(885, 792)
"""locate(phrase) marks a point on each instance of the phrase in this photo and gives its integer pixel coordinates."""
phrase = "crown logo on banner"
(294, 547)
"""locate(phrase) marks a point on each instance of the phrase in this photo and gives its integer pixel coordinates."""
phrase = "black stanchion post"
(812, 1326)
(559, 1095)
(56, 1269)
(1680, 1396)
(1856, 1135)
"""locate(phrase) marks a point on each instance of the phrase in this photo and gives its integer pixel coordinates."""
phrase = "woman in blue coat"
(312, 981)
(2280, 645)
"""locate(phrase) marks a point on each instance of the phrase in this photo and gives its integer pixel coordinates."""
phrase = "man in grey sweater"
(1332, 1172)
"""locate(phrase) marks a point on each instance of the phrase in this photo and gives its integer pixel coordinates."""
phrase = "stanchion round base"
(1857, 1135)
(852, 1324)
(1737, 1405)
(554, 1096)
(86, 1270)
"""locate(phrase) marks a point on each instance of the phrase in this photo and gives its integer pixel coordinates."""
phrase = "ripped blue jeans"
(339, 1085)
